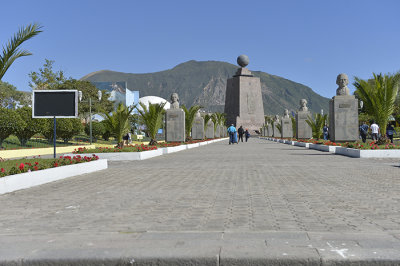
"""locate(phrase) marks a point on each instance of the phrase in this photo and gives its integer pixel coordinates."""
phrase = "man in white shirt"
(374, 131)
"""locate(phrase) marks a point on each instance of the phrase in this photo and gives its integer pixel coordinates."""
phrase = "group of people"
(236, 135)
(375, 131)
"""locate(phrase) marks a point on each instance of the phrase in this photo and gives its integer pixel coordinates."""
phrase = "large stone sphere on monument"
(243, 60)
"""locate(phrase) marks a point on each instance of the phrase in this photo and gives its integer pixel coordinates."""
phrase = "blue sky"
(309, 42)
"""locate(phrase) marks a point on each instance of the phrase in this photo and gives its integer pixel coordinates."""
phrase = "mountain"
(204, 83)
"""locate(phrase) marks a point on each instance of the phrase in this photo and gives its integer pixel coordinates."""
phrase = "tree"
(189, 119)
(10, 97)
(317, 124)
(32, 125)
(11, 52)
(207, 118)
(88, 91)
(152, 119)
(10, 122)
(97, 130)
(379, 95)
(46, 79)
(66, 128)
(118, 122)
(294, 126)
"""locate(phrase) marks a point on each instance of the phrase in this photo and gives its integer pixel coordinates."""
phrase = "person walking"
(325, 131)
(374, 131)
(240, 133)
(390, 132)
(232, 134)
(247, 134)
(364, 131)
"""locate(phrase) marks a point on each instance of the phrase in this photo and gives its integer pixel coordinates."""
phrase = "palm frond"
(11, 51)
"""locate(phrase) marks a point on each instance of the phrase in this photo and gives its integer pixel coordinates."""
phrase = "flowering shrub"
(40, 164)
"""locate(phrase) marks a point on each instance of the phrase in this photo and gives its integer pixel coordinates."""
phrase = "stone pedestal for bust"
(275, 131)
(243, 101)
(343, 118)
(264, 131)
(287, 129)
(269, 130)
(218, 131)
(210, 130)
(198, 128)
(303, 130)
(174, 125)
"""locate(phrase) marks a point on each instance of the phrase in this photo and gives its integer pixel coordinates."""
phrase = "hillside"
(204, 83)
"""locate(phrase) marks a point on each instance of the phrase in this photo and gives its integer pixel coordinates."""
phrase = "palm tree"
(12, 52)
(379, 95)
(317, 124)
(152, 118)
(118, 122)
(207, 118)
(218, 119)
(189, 119)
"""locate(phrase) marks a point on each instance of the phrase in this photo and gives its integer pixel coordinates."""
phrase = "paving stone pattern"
(245, 191)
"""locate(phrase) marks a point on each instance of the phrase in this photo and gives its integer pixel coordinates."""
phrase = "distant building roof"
(154, 99)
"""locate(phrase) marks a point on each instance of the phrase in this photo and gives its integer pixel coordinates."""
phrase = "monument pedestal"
(275, 131)
(198, 128)
(243, 102)
(269, 130)
(343, 118)
(210, 130)
(287, 129)
(303, 130)
(174, 125)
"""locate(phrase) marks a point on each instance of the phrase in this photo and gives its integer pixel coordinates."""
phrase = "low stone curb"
(27, 180)
(138, 156)
(349, 152)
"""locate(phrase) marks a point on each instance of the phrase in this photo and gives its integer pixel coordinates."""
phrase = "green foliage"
(118, 122)
(207, 118)
(66, 128)
(107, 133)
(97, 130)
(9, 96)
(152, 118)
(189, 118)
(294, 125)
(88, 91)
(317, 124)
(10, 122)
(379, 95)
(46, 79)
(11, 52)
(32, 125)
(279, 127)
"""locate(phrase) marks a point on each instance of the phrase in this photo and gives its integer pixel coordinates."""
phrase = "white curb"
(26, 180)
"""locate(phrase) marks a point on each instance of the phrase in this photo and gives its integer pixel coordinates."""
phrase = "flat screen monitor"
(55, 103)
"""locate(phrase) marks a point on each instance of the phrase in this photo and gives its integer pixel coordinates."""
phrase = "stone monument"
(276, 133)
(303, 130)
(343, 113)
(175, 121)
(198, 127)
(269, 130)
(243, 101)
(286, 125)
(210, 130)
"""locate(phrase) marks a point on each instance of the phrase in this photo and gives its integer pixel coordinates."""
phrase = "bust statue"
(174, 101)
(342, 80)
(276, 119)
(197, 115)
(286, 114)
(303, 105)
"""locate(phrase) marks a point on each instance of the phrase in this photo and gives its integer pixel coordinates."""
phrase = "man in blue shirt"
(231, 132)
(364, 131)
